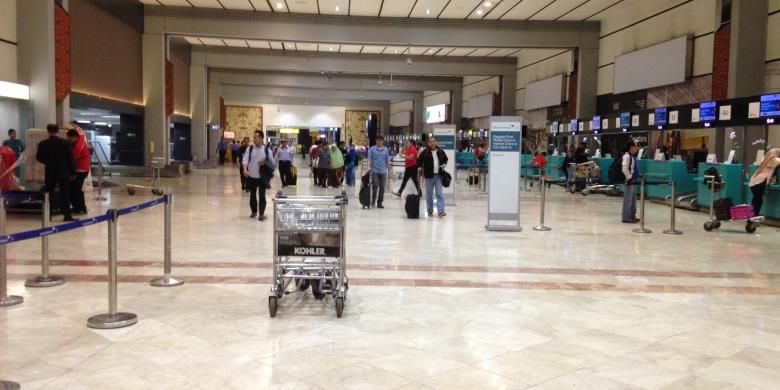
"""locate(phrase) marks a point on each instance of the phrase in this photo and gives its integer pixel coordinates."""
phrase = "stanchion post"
(641, 228)
(8, 385)
(673, 224)
(541, 227)
(45, 280)
(167, 280)
(112, 319)
(5, 299)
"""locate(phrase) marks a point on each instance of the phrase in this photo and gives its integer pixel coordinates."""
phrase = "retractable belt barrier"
(673, 206)
(112, 319)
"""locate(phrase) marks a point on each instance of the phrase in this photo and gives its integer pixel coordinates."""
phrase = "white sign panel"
(651, 119)
(436, 114)
(725, 113)
(445, 138)
(754, 110)
(617, 122)
(604, 124)
(635, 121)
(582, 126)
(504, 174)
(695, 115)
(674, 117)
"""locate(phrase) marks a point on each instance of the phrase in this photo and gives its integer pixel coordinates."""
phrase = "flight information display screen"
(708, 111)
(595, 124)
(625, 120)
(770, 105)
(660, 117)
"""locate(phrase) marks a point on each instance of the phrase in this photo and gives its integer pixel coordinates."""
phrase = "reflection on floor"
(434, 303)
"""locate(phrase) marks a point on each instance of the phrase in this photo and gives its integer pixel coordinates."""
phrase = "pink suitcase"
(741, 211)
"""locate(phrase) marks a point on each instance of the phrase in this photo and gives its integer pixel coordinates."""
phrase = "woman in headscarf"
(336, 164)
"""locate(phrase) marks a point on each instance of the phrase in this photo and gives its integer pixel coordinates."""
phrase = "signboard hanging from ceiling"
(436, 114)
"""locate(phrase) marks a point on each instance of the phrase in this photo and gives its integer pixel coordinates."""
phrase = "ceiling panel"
(445, 51)
(558, 8)
(459, 9)
(150, 2)
(212, 41)
(395, 50)
(235, 42)
(428, 8)
(302, 6)
(373, 49)
(397, 8)
(417, 50)
(502, 53)
(276, 45)
(461, 51)
(258, 44)
(306, 46)
(588, 9)
(351, 48)
(365, 7)
(334, 7)
(482, 52)
(432, 51)
(260, 5)
(289, 46)
(206, 3)
(278, 5)
(193, 40)
(327, 47)
(177, 3)
(526, 8)
(487, 7)
(237, 4)
(498, 9)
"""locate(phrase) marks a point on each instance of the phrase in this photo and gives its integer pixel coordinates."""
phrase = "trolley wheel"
(585, 192)
(272, 306)
(572, 189)
(131, 191)
(751, 227)
(339, 306)
(716, 225)
(303, 284)
(708, 226)
(315, 290)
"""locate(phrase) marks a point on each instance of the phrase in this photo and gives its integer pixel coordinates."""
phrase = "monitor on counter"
(708, 111)
(660, 117)
(625, 120)
(555, 127)
(769, 106)
(573, 126)
(595, 124)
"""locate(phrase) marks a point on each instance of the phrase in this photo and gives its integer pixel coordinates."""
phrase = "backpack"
(713, 171)
(615, 173)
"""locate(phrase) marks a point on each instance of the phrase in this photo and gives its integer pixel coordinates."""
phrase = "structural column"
(419, 110)
(508, 88)
(457, 104)
(156, 131)
(35, 58)
(215, 127)
(198, 104)
(587, 76)
(747, 52)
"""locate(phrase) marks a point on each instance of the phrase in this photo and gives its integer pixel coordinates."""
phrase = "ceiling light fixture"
(279, 5)
(409, 61)
(396, 51)
(427, 11)
(479, 12)
(338, 8)
(380, 82)
(391, 80)
(488, 4)
(331, 49)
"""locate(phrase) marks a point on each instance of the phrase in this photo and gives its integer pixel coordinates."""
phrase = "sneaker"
(630, 221)
(398, 194)
(254, 215)
(261, 218)
(380, 206)
(442, 214)
(430, 214)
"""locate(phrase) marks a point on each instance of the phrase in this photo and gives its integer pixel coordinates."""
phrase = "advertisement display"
(625, 120)
(436, 114)
(445, 138)
(504, 174)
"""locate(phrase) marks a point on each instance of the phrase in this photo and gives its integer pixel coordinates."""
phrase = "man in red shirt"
(410, 154)
(81, 158)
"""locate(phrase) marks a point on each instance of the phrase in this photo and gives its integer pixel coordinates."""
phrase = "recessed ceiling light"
(427, 11)
(338, 8)
(290, 46)
(479, 12)
(331, 49)
(396, 51)
(488, 4)
(279, 5)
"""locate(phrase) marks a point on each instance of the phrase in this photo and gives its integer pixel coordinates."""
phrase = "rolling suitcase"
(293, 178)
(412, 206)
(365, 191)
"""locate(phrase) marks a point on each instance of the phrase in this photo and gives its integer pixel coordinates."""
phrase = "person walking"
(258, 165)
(313, 163)
(81, 159)
(234, 152)
(410, 168)
(351, 164)
(221, 151)
(17, 146)
(336, 165)
(630, 169)
(55, 154)
(433, 160)
(378, 161)
(762, 178)
(323, 164)
(241, 151)
(284, 156)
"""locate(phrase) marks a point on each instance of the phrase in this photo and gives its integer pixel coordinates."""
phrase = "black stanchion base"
(166, 281)
(112, 321)
(7, 385)
(41, 281)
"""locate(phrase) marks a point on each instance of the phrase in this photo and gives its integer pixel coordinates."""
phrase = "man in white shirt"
(258, 165)
(284, 156)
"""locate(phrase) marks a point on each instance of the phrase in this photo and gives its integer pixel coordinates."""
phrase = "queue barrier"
(673, 206)
(112, 319)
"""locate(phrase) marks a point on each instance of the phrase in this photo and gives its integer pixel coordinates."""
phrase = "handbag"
(446, 178)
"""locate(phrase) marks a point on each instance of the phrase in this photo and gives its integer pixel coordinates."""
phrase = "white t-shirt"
(435, 154)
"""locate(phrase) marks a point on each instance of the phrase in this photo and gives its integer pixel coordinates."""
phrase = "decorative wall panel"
(243, 120)
(62, 68)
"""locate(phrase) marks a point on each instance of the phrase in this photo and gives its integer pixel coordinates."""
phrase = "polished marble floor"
(433, 303)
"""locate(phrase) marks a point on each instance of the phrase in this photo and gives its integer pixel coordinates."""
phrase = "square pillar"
(35, 58)
(156, 131)
(198, 103)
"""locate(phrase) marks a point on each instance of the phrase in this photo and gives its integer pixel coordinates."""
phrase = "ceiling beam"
(369, 30)
(237, 91)
(335, 81)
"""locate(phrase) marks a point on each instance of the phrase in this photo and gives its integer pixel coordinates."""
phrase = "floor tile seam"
(510, 380)
(425, 268)
(414, 381)
(416, 282)
(302, 379)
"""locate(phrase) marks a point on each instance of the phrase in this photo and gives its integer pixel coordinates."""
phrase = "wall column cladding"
(720, 62)
(62, 53)
(35, 48)
(169, 88)
(572, 99)
(747, 54)
(155, 120)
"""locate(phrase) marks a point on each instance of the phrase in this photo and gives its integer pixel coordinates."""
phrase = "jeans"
(431, 185)
(629, 203)
(77, 192)
(222, 157)
(758, 197)
(410, 173)
(350, 175)
(322, 175)
(378, 183)
(256, 186)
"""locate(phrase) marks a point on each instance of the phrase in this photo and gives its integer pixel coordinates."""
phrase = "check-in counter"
(526, 165)
(666, 171)
(604, 164)
(553, 167)
(771, 207)
(731, 175)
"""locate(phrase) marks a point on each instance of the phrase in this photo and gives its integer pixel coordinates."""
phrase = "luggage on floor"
(742, 211)
(412, 206)
(723, 209)
(293, 177)
(473, 180)
(365, 196)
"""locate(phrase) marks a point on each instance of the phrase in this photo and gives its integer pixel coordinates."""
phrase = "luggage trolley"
(309, 248)
(157, 163)
(736, 213)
